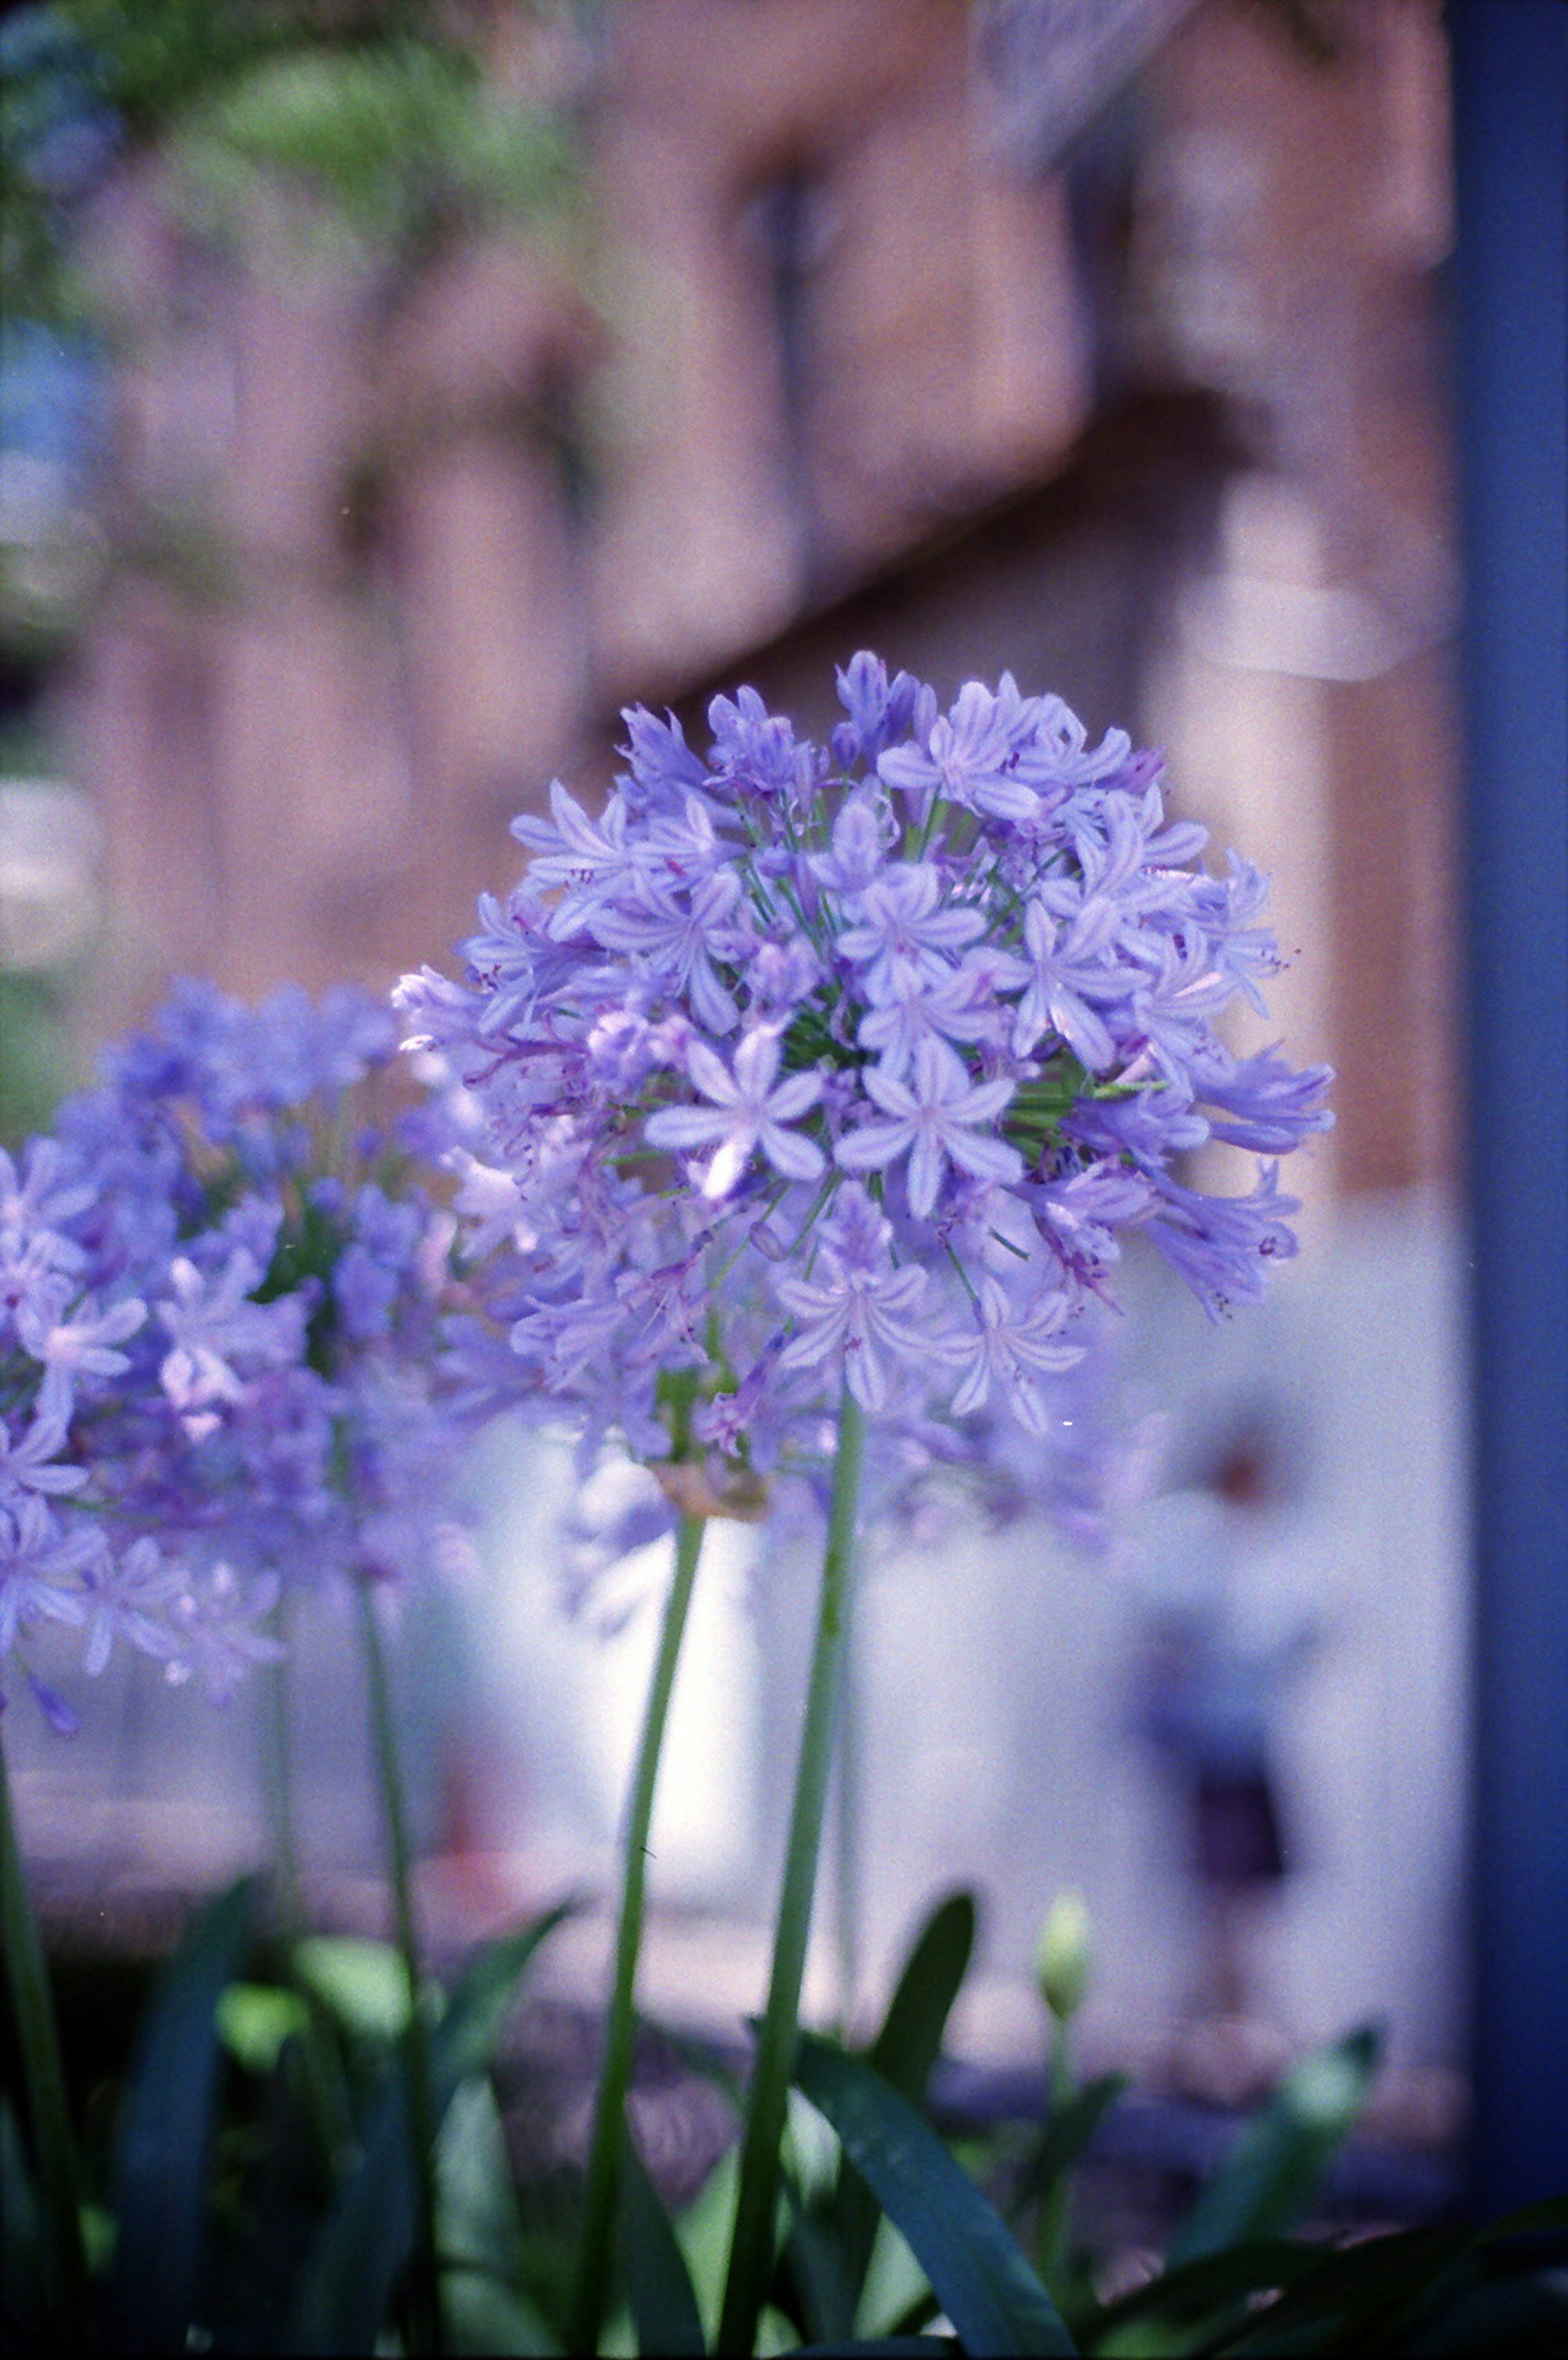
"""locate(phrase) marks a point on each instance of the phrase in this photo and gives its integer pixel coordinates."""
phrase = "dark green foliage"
(1062, 2142)
(904, 2053)
(261, 2193)
(663, 2305)
(365, 2242)
(260, 2188)
(976, 2269)
(159, 2187)
(24, 2289)
(32, 1053)
(1269, 2184)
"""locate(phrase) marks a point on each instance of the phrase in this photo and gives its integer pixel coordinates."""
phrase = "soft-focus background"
(385, 404)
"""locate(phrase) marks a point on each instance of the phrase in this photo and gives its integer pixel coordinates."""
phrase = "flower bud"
(1061, 1961)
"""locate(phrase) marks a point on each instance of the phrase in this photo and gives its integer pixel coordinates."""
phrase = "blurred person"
(1208, 1680)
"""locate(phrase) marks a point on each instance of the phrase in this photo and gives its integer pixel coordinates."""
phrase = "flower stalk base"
(752, 2250)
(608, 2149)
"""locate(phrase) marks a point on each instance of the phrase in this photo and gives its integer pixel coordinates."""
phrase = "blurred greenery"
(33, 1052)
(381, 109)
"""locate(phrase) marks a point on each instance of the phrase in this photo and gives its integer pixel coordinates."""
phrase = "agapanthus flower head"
(801, 1068)
(221, 1289)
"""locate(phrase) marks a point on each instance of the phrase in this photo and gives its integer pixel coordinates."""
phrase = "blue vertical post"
(1510, 88)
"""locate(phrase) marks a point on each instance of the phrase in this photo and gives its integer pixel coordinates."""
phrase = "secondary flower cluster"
(68, 1329)
(804, 1066)
(221, 1368)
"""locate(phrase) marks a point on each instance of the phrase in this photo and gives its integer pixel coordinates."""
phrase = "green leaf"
(24, 2297)
(1196, 2290)
(704, 2231)
(361, 1981)
(478, 2223)
(483, 2317)
(254, 2021)
(479, 2231)
(1065, 2137)
(483, 2000)
(1270, 2181)
(813, 2268)
(365, 2244)
(1357, 2298)
(896, 2298)
(981, 2278)
(165, 2133)
(910, 2041)
(894, 2345)
(663, 2304)
(904, 2053)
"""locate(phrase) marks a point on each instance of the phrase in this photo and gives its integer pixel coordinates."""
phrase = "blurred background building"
(1104, 343)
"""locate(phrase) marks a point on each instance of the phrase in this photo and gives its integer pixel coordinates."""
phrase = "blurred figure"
(1208, 1680)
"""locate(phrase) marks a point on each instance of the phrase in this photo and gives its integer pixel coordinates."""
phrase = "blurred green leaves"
(382, 113)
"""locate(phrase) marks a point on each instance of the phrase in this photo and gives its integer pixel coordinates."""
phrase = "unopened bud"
(1061, 1962)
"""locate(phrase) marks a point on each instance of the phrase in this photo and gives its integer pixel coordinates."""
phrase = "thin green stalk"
(847, 1807)
(425, 2288)
(1050, 2242)
(606, 2152)
(39, 2042)
(325, 2096)
(752, 2247)
(280, 1783)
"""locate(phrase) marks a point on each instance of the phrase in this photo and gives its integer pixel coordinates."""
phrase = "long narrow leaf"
(1065, 2137)
(663, 2305)
(985, 2285)
(1353, 2299)
(1195, 2291)
(165, 2133)
(24, 2299)
(904, 2053)
(480, 2006)
(1270, 2181)
(813, 2262)
(365, 2244)
(896, 2347)
(910, 2041)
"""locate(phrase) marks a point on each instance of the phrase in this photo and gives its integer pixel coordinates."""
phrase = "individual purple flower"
(1013, 1348)
(936, 1118)
(80, 1341)
(1068, 970)
(31, 1461)
(41, 1564)
(215, 1324)
(854, 1311)
(856, 851)
(1262, 1102)
(755, 748)
(1224, 1245)
(880, 710)
(749, 1110)
(905, 928)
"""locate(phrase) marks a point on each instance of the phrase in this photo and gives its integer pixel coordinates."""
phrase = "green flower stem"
(752, 2248)
(1051, 2238)
(608, 2149)
(280, 1783)
(39, 2043)
(847, 1800)
(425, 2288)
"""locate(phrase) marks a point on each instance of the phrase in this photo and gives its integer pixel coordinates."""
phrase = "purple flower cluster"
(802, 1067)
(222, 1287)
(69, 1330)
